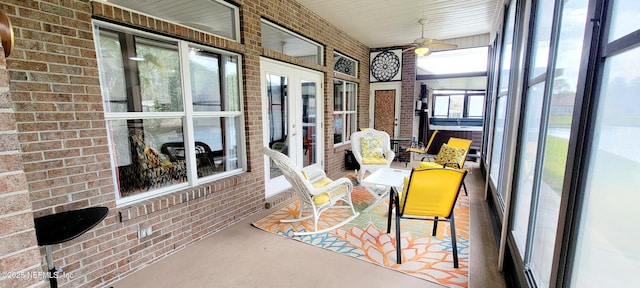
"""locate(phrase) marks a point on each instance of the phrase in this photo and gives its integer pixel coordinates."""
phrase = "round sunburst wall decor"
(385, 66)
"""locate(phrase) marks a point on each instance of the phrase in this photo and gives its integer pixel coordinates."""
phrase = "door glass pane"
(624, 19)
(527, 162)
(607, 251)
(278, 117)
(309, 123)
(556, 145)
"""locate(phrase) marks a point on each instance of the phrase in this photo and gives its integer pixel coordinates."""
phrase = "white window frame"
(187, 116)
(354, 113)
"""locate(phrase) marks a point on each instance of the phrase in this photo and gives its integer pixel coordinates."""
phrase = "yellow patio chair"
(424, 151)
(452, 154)
(428, 194)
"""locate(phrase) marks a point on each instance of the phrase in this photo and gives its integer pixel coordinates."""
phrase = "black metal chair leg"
(465, 189)
(454, 245)
(390, 214)
(435, 226)
(398, 244)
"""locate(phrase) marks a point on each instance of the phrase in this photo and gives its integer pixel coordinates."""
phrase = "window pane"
(441, 106)
(607, 252)
(507, 45)
(541, 38)
(112, 74)
(624, 18)
(140, 165)
(498, 135)
(281, 40)
(338, 94)
(232, 144)
(454, 61)
(205, 80)
(566, 71)
(213, 17)
(232, 86)
(456, 106)
(476, 103)
(531, 124)
(159, 76)
(527, 162)
(338, 128)
(351, 124)
(209, 143)
(351, 96)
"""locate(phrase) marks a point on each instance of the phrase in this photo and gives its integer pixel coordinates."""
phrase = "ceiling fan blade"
(408, 49)
(442, 45)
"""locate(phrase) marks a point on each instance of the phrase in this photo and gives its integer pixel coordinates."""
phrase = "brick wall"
(18, 247)
(61, 134)
(409, 95)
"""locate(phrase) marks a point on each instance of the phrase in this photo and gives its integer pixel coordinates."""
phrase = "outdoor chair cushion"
(448, 156)
(371, 147)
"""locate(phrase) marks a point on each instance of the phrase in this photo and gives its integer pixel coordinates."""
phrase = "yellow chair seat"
(324, 198)
(374, 160)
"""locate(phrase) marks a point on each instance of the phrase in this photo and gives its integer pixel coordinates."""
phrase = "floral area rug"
(423, 256)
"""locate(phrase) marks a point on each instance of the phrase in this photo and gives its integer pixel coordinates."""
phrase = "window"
(500, 100)
(344, 110)
(458, 61)
(458, 104)
(216, 17)
(281, 40)
(151, 109)
(345, 65)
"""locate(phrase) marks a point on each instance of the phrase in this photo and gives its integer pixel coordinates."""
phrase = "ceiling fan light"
(422, 51)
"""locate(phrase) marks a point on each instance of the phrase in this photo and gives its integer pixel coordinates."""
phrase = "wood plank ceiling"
(388, 23)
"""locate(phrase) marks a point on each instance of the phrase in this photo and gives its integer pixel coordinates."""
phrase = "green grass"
(555, 159)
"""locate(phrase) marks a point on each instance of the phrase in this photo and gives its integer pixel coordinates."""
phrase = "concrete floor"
(244, 256)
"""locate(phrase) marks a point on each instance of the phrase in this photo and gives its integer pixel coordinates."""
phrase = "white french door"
(292, 112)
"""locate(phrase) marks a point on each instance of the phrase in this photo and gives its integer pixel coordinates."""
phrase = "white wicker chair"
(368, 163)
(315, 190)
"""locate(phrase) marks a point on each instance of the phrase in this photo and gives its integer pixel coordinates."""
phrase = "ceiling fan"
(423, 46)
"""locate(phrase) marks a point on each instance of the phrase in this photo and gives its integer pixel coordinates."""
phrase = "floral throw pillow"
(450, 154)
(371, 147)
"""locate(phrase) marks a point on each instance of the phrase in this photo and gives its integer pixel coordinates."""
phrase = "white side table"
(384, 180)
